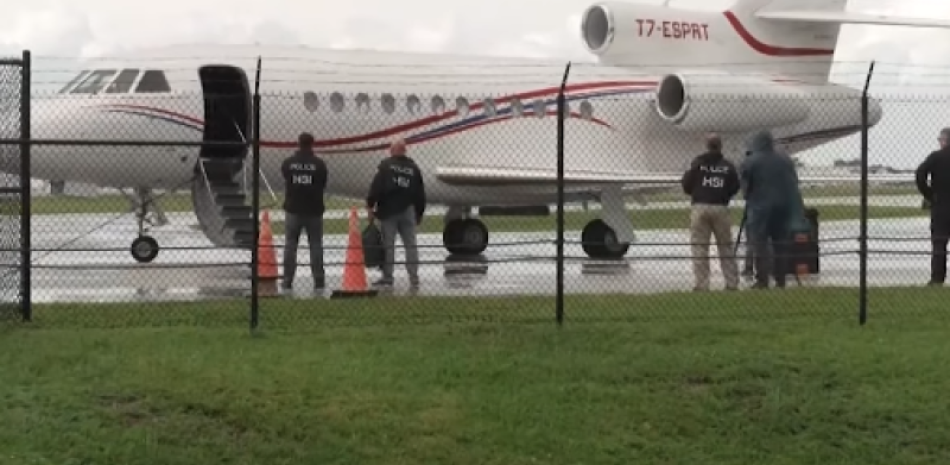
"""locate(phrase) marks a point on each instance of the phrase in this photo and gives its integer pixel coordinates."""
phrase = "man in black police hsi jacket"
(305, 179)
(937, 193)
(711, 182)
(398, 198)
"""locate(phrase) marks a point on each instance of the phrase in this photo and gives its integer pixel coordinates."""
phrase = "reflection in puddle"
(464, 271)
(605, 267)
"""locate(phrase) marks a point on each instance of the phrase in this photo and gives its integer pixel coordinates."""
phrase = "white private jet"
(481, 129)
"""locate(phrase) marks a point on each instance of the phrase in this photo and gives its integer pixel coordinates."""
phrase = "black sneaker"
(287, 285)
(414, 281)
(933, 283)
(319, 283)
(383, 282)
(760, 285)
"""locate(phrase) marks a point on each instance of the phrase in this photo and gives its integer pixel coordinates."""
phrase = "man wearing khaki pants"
(711, 182)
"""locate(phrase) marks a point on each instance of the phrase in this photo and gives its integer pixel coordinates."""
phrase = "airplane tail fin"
(799, 37)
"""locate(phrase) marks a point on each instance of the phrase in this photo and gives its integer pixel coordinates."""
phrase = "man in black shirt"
(711, 182)
(936, 193)
(305, 178)
(398, 198)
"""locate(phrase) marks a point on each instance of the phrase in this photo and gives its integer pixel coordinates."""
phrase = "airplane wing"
(844, 17)
(872, 178)
(469, 175)
(499, 176)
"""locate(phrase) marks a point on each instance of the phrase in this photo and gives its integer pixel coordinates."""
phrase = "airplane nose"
(875, 112)
(9, 120)
(9, 129)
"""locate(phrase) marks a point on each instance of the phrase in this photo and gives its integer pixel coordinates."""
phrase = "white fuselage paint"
(631, 138)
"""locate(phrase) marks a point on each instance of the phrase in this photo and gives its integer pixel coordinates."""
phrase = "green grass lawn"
(645, 219)
(741, 378)
(182, 202)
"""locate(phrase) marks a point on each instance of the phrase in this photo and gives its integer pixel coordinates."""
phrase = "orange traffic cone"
(354, 271)
(266, 260)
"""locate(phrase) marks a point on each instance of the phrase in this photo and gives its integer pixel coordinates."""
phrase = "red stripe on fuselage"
(772, 50)
(405, 127)
(384, 146)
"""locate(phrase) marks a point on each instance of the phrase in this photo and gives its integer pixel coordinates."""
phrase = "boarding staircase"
(220, 195)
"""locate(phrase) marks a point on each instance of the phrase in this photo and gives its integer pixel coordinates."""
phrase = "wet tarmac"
(876, 201)
(77, 259)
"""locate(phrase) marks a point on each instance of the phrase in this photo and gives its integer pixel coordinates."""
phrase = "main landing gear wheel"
(144, 249)
(599, 241)
(465, 237)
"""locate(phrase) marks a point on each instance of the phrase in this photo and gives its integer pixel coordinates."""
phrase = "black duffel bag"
(373, 252)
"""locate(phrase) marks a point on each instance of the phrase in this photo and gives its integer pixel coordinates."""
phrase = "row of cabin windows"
(112, 81)
(437, 105)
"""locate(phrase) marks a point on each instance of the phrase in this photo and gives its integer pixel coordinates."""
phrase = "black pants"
(939, 235)
(749, 264)
(294, 225)
(770, 226)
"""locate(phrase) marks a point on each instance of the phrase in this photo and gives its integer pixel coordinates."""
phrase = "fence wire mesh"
(173, 245)
(10, 191)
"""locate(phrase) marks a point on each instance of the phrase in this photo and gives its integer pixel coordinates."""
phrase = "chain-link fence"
(14, 189)
(544, 201)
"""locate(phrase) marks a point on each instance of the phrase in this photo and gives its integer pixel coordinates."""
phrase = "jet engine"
(599, 28)
(636, 32)
(725, 103)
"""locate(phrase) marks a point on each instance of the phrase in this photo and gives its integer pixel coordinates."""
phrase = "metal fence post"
(26, 136)
(256, 198)
(863, 236)
(561, 116)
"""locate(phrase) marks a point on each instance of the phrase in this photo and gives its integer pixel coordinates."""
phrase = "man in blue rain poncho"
(774, 207)
(749, 260)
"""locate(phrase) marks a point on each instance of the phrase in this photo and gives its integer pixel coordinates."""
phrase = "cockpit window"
(73, 81)
(94, 82)
(123, 82)
(153, 81)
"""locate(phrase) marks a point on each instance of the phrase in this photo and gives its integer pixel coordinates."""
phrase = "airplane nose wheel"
(144, 249)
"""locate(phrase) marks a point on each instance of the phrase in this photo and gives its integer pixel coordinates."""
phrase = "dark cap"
(305, 140)
(945, 133)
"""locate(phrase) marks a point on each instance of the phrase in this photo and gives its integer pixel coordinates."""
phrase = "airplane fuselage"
(486, 113)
